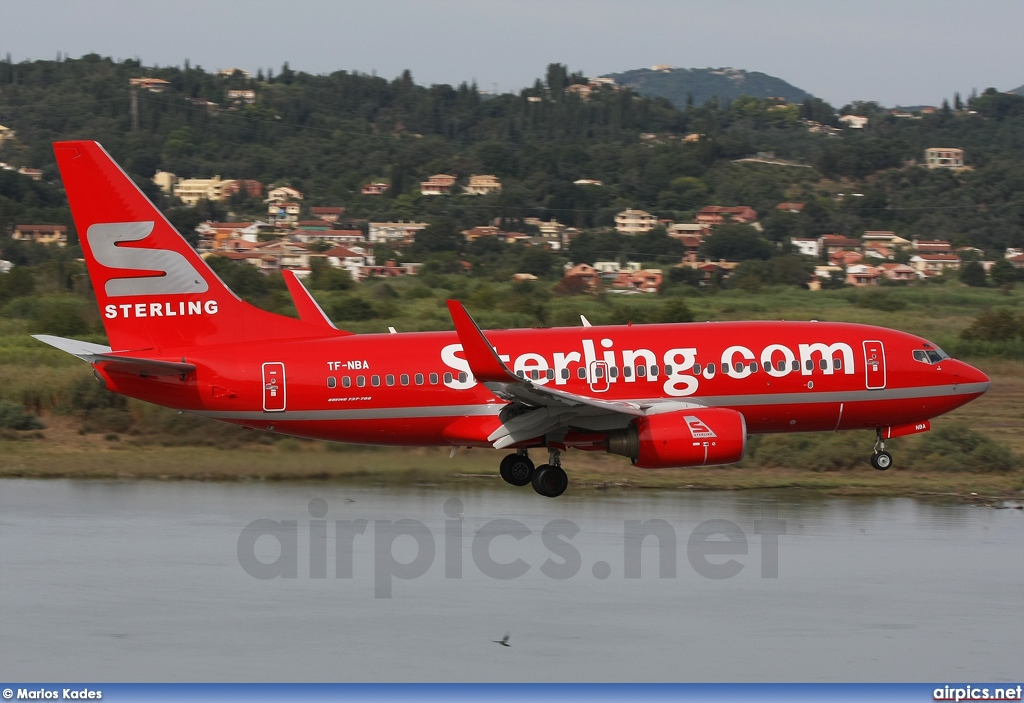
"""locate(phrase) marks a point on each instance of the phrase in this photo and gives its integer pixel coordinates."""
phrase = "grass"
(41, 379)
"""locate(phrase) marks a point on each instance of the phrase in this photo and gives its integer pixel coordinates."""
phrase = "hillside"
(696, 86)
(328, 135)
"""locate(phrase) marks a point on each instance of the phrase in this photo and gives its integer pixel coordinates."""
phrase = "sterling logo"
(697, 428)
(182, 309)
(177, 274)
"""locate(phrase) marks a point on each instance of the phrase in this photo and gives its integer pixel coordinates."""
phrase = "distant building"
(934, 264)
(790, 207)
(588, 182)
(688, 229)
(717, 215)
(831, 243)
(5, 266)
(438, 184)
(42, 234)
(191, 190)
(282, 193)
(326, 213)
(229, 72)
(483, 185)
(6, 133)
(581, 276)
(153, 85)
(284, 214)
(898, 272)
(806, 246)
(645, 281)
(242, 96)
(165, 181)
(854, 121)
(375, 188)
(635, 221)
(392, 232)
(253, 189)
(862, 275)
(940, 157)
(932, 246)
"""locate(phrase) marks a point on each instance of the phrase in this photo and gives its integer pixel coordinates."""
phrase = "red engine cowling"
(701, 437)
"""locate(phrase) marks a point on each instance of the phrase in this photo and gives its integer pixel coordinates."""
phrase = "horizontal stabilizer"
(99, 354)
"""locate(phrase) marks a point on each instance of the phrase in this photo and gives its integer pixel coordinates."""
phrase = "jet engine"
(699, 437)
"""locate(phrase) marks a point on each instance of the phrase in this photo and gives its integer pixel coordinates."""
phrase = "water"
(144, 581)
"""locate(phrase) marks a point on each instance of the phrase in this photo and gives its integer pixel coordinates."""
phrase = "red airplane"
(668, 395)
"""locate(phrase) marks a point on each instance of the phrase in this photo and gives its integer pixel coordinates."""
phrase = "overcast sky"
(907, 52)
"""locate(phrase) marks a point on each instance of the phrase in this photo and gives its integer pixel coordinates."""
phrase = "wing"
(537, 410)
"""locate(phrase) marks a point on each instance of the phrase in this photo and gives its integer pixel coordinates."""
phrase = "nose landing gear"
(881, 459)
(549, 480)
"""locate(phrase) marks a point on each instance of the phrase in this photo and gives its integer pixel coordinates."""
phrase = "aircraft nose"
(965, 373)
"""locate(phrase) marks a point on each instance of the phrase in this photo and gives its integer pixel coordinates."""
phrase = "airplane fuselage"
(409, 388)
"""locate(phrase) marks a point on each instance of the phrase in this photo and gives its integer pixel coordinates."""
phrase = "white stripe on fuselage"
(456, 411)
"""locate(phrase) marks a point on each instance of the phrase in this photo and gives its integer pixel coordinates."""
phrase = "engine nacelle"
(701, 437)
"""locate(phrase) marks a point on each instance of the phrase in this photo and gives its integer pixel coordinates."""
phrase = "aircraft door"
(598, 375)
(274, 389)
(874, 360)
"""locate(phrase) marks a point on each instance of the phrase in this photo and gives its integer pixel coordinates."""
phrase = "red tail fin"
(154, 291)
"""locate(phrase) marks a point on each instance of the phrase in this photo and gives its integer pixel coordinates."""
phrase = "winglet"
(483, 361)
(309, 310)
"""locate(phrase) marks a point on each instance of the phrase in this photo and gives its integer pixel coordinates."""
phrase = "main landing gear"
(548, 480)
(881, 459)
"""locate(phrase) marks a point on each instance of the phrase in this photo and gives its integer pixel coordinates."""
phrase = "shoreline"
(589, 474)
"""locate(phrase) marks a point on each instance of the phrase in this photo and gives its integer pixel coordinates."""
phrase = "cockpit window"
(930, 356)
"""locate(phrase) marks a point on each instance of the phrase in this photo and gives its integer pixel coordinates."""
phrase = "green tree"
(1002, 272)
(973, 274)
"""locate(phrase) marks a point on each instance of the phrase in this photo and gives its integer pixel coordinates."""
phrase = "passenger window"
(346, 382)
(521, 374)
(581, 372)
(463, 377)
(627, 372)
(711, 369)
(654, 372)
(837, 364)
(668, 369)
(535, 375)
(809, 365)
(696, 369)
(419, 379)
(549, 374)
(332, 382)
(448, 377)
(389, 379)
(613, 371)
(823, 363)
(725, 367)
(374, 380)
(781, 366)
(360, 381)
(433, 379)
(641, 371)
(753, 367)
(565, 374)
(795, 365)
(598, 372)
(404, 379)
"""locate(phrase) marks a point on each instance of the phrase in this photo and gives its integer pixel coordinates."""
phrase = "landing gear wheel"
(549, 481)
(881, 460)
(516, 469)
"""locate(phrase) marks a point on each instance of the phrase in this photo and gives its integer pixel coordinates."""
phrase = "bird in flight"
(504, 640)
